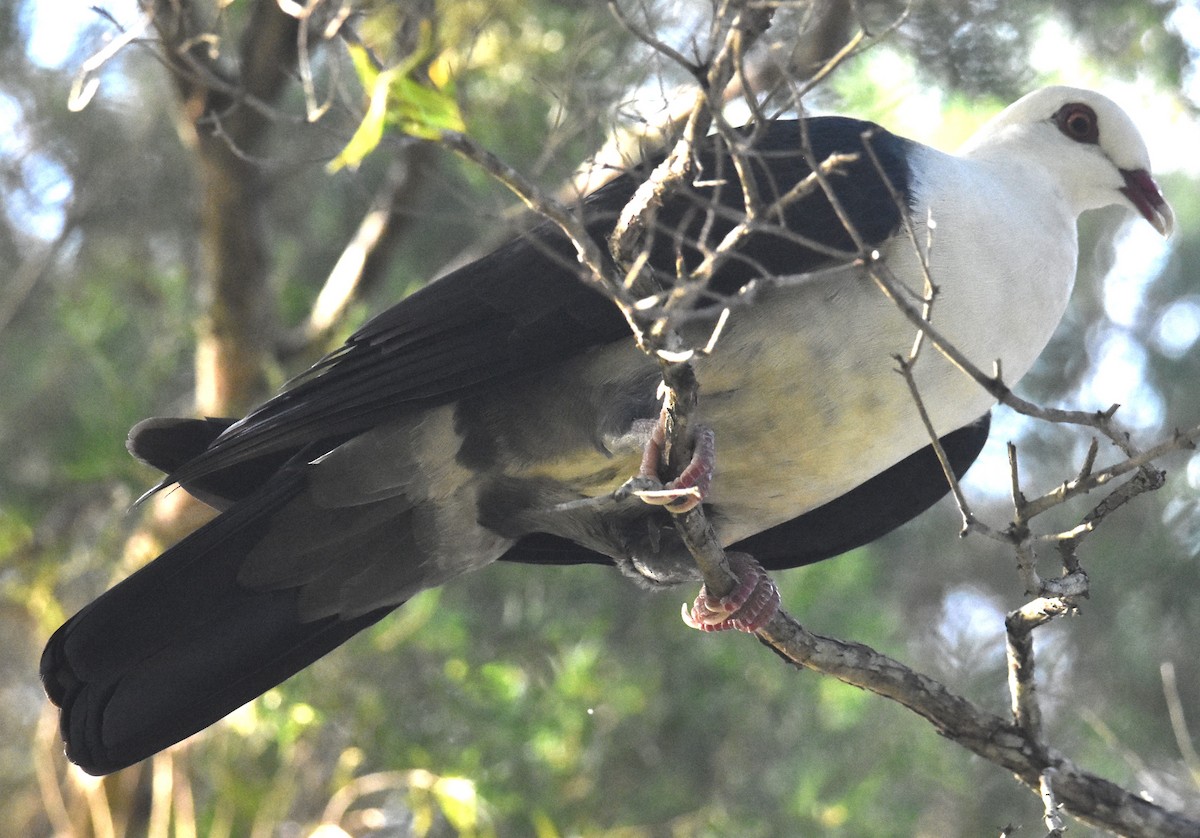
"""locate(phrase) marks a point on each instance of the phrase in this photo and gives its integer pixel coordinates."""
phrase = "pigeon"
(495, 414)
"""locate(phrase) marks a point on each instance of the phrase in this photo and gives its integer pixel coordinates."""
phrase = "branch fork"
(1016, 744)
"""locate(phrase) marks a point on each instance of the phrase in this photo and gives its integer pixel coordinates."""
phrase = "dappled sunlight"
(1117, 374)
(564, 701)
(1178, 327)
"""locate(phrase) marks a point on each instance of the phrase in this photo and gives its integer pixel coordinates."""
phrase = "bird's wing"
(229, 611)
(523, 307)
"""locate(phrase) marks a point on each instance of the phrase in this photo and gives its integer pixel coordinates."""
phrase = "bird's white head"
(1085, 142)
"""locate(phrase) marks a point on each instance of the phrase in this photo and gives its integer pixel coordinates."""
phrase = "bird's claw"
(677, 498)
(749, 607)
(688, 490)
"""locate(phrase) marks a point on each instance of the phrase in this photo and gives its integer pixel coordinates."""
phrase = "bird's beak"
(1144, 194)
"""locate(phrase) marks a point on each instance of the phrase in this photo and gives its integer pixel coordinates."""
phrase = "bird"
(494, 414)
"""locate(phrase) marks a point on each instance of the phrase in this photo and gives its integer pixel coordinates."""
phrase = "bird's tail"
(181, 642)
(171, 445)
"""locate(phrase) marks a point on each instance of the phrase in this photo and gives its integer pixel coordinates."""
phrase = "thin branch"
(313, 109)
(33, 269)
(1026, 710)
(752, 221)
(969, 521)
(1179, 725)
(595, 268)
(1089, 480)
(352, 272)
(1053, 817)
(629, 246)
(87, 80)
(54, 804)
(1086, 796)
(899, 294)
(659, 46)
(910, 230)
(1019, 529)
(746, 25)
(1014, 745)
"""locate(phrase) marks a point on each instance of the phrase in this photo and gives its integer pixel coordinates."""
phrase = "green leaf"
(459, 802)
(398, 102)
(422, 111)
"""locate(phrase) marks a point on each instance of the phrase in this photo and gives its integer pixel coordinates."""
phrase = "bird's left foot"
(688, 490)
(749, 607)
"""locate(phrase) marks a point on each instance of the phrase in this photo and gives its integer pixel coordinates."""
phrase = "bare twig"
(1019, 647)
(87, 80)
(1019, 531)
(994, 384)
(629, 245)
(595, 268)
(341, 286)
(1022, 685)
(32, 270)
(656, 44)
(50, 787)
(655, 318)
(1179, 725)
(1086, 796)
(922, 252)
(347, 280)
(313, 109)
(1053, 818)
(969, 521)
(1090, 479)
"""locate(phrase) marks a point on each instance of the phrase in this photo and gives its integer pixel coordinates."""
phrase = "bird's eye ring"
(1078, 121)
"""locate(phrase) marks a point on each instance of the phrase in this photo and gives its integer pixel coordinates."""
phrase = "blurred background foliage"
(564, 701)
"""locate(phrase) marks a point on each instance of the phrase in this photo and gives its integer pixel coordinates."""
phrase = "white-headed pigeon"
(471, 422)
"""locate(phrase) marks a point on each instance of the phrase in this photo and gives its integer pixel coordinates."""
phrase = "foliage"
(399, 102)
(561, 701)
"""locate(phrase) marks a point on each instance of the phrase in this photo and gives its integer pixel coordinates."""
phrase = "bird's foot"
(688, 490)
(749, 607)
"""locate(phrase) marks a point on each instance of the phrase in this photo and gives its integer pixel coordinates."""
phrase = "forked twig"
(1016, 745)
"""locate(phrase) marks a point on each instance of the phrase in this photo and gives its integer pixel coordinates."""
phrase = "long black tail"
(181, 643)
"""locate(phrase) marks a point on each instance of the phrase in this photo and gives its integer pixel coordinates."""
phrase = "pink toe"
(748, 608)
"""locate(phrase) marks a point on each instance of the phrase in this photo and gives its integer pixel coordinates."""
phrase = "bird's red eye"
(1078, 121)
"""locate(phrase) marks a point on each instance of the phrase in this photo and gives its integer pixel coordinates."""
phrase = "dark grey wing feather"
(524, 307)
(182, 642)
(232, 610)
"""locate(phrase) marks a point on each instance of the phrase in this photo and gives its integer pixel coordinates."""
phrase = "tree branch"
(233, 343)
(1088, 797)
(655, 314)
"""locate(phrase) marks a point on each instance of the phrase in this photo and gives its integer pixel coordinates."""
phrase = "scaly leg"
(755, 600)
(749, 607)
